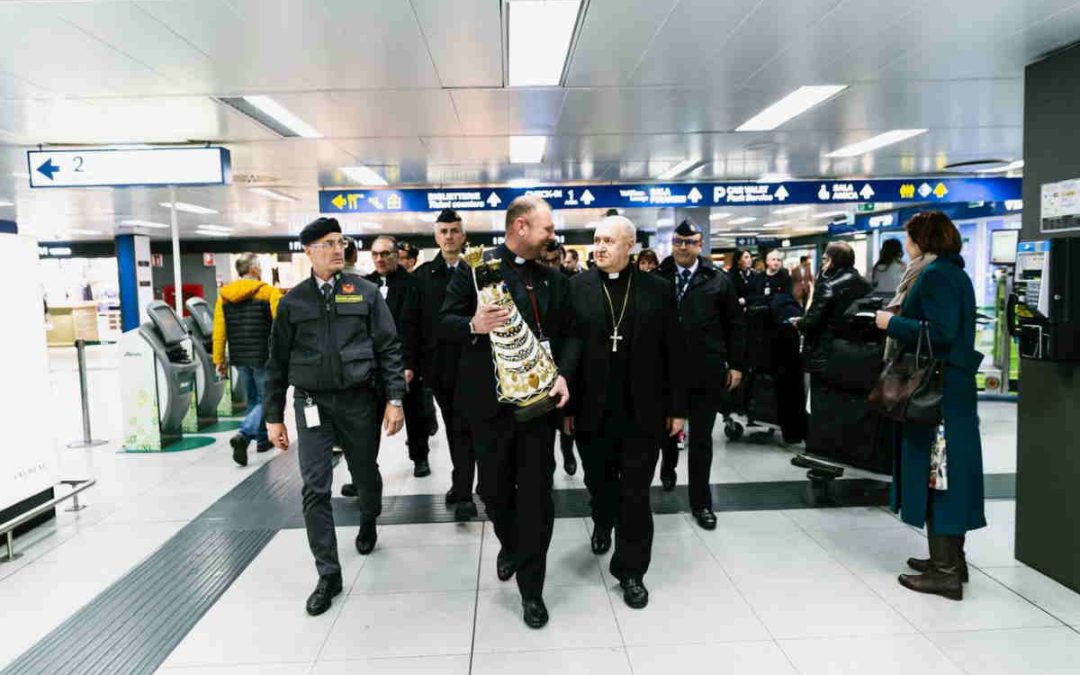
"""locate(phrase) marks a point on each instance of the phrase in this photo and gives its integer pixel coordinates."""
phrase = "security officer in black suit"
(628, 396)
(334, 341)
(715, 329)
(517, 459)
(438, 357)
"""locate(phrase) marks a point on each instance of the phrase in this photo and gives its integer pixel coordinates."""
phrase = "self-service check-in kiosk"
(209, 387)
(158, 377)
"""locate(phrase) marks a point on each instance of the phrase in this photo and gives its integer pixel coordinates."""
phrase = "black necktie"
(684, 281)
(327, 291)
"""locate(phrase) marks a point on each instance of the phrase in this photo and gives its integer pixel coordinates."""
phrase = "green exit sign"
(867, 208)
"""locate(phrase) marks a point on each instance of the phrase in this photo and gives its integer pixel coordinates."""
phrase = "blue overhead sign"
(103, 167)
(894, 220)
(381, 200)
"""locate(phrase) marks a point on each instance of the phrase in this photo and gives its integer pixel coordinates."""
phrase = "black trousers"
(417, 424)
(790, 392)
(346, 419)
(517, 461)
(462, 456)
(619, 464)
(703, 406)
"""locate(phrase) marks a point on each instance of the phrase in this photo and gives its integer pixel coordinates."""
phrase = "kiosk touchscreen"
(209, 387)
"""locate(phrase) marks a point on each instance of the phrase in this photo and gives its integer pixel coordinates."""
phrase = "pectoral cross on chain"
(615, 337)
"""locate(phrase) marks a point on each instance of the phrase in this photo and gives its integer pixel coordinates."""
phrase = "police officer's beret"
(687, 228)
(448, 216)
(317, 229)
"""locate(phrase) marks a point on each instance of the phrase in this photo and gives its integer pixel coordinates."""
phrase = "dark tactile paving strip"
(134, 625)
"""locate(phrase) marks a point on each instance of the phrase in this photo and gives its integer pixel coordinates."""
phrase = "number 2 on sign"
(78, 161)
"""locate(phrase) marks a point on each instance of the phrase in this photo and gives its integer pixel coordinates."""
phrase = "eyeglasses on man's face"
(679, 242)
(331, 244)
(381, 254)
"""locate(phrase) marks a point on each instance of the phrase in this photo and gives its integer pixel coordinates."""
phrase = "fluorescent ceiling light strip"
(144, 223)
(212, 233)
(189, 208)
(539, 35)
(364, 175)
(777, 223)
(830, 214)
(273, 194)
(743, 220)
(257, 223)
(681, 167)
(6, 202)
(527, 149)
(791, 209)
(283, 116)
(1013, 166)
(720, 216)
(86, 232)
(521, 183)
(792, 105)
(875, 143)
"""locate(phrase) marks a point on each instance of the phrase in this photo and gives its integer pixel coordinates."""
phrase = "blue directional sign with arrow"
(915, 190)
(125, 168)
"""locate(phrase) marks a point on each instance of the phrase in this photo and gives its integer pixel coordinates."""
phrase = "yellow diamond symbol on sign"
(940, 191)
(338, 201)
(907, 191)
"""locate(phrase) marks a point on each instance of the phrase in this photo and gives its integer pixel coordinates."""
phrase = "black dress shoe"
(465, 511)
(239, 449)
(601, 540)
(320, 599)
(705, 518)
(505, 565)
(535, 613)
(365, 540)
(569, 463)
(348, 490)
(634, 593)
(667, 479)
(264, 446)
(421, 469)
(453, 498)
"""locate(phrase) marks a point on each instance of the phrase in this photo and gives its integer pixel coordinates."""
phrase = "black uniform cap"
(687, 228)
(448, 216)
(317, 229)
(408, 249)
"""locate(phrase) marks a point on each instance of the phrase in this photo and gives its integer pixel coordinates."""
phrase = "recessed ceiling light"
(791, 209)
(680, 168)
(875, 143)
(272, 115)
(527, 149)
(792, 105)
(743, 220)
(522, 183)
(776, 223)
(189, 208)
(145, 223)
(720, 216)
(364, 175)
(539, 36)
(273, 194)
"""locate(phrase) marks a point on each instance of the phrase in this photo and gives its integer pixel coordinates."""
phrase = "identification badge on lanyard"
(768, 290)
(311, 414)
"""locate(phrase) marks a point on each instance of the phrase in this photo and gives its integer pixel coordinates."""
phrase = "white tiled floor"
(803, 591)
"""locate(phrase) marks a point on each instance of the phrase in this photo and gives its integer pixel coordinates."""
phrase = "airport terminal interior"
(153, 152)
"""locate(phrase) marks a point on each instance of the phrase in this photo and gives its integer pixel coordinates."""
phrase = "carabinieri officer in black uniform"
(517, 459)
(334, 341)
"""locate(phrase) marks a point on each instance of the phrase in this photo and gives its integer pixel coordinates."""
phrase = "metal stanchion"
(88, 441)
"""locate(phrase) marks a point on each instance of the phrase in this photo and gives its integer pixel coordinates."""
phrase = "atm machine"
(1044, 313)
(158, 376)
(209, 387)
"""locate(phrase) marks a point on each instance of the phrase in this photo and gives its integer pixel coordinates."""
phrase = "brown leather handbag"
(911, 387)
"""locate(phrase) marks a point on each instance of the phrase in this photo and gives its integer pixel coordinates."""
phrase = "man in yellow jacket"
(243, 317)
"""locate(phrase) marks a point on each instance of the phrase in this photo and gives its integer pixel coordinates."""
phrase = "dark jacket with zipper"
(345, 343)
(401, 299)
(714, 325)
(437, 358)
(824, 319)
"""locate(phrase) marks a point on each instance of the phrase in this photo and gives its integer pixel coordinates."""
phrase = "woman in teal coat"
(940, 293)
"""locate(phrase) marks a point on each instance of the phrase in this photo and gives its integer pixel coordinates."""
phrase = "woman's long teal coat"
(943, 296)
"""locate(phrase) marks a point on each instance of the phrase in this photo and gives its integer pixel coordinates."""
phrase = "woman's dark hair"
(891, 251)
(738, 259)
(933, 232)
(650, 255)
(841, 254)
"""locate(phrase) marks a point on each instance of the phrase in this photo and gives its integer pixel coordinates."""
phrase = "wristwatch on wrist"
(396, 402)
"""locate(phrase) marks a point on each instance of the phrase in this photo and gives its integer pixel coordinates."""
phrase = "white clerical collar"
(615, 275)
(692, 270)
(518, 260)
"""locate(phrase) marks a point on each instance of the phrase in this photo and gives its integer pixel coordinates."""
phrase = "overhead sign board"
(948, 190)
(128, 168)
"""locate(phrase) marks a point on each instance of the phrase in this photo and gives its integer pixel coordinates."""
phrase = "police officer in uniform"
(517, 459)
(333, 340)
(715, 329)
